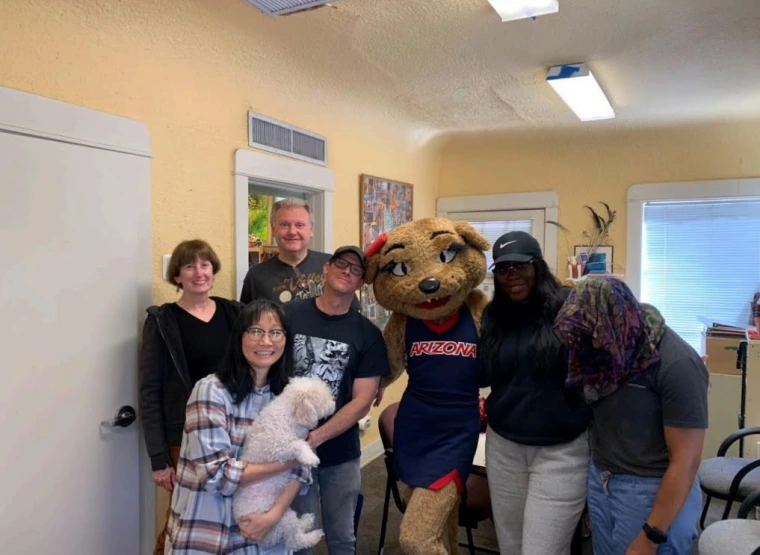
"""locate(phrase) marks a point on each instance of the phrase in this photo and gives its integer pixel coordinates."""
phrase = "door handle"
(123, 418)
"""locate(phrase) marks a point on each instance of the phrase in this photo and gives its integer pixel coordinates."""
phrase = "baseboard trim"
(371, 452)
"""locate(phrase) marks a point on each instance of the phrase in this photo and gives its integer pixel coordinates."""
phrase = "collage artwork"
(385, 204)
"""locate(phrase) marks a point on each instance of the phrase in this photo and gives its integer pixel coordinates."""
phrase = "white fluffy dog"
(278, 434)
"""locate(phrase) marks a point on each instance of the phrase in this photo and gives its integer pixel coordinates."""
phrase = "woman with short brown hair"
(182, 342)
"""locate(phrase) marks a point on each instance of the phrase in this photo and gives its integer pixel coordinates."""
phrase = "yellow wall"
(586, 167)
(190, 71)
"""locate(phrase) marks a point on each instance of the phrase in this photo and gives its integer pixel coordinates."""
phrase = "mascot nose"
(429, 285)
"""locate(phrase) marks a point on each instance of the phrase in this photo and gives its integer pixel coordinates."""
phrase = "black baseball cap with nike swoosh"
(516, 246)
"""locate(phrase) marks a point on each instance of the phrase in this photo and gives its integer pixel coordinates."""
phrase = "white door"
(74, 281)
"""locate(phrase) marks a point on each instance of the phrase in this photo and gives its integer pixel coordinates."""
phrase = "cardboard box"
(722, 353)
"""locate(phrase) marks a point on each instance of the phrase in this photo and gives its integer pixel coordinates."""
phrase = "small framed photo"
(607, 250)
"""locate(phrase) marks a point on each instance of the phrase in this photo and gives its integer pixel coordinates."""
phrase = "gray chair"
(729, 478)
(737, 536)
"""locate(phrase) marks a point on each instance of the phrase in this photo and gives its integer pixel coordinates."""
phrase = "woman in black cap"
(536, 444)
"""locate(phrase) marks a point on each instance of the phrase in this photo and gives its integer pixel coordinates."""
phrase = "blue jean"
(619, 505)
(336, 489)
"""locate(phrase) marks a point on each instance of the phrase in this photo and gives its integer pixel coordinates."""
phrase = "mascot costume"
(426, 273)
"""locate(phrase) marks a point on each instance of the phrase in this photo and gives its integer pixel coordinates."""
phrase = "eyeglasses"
(342, 264)
(517, 267)
(257, 334)
(301, 281)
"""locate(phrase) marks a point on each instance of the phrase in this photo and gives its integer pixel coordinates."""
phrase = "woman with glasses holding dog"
(254, 369)
(536, 444)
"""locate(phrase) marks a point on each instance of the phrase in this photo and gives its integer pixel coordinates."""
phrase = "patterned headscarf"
(611, 336)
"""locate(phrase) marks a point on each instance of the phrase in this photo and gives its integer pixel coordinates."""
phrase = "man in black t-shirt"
(296, 272)
(347, 351)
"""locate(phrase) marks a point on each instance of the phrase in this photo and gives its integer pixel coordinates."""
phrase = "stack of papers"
(717, 329)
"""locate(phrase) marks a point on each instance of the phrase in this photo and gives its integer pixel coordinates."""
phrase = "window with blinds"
(492, 230)
(701, 259)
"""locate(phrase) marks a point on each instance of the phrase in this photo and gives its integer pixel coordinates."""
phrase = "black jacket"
(164, 380)
(530, 407)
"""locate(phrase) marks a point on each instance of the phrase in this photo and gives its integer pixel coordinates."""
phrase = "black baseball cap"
(516, 246)
(353, 250)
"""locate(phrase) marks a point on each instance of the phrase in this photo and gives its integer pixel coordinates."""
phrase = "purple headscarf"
(611, 336)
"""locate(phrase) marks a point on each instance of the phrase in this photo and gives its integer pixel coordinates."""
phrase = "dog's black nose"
(429, 285)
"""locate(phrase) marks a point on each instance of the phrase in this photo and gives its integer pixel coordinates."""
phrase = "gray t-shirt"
(627, 435)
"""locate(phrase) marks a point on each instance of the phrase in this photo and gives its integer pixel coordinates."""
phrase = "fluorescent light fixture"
(576, 85)
(509, 10)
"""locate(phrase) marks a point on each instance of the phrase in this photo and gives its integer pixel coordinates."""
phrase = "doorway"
(261, 199)
(262, 179)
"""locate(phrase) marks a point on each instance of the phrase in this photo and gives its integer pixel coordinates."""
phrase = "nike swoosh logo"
(507, 243)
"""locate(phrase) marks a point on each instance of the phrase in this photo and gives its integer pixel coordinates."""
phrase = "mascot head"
(426, 269)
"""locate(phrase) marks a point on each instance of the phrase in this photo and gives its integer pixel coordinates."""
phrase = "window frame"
(536, 215)
(640, 194)
(288, 175)
(450, 207)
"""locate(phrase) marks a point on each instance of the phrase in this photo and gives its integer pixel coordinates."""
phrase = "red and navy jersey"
(438, 421)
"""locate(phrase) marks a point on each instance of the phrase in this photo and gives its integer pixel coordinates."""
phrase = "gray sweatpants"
(537, 493)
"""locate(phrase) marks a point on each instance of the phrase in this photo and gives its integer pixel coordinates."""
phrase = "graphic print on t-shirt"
(300, 286)
(325, 358)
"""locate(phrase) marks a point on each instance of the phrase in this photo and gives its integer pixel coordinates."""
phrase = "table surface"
(480, 453)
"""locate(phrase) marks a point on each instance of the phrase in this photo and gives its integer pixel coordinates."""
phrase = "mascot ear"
(472, 237)
(373, 258)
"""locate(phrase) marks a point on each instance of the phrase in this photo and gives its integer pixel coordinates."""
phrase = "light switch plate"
(166, 259)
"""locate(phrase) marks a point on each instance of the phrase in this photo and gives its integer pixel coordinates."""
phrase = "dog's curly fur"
(278, 434)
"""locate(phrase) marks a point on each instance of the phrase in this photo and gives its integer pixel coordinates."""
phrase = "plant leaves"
(610, 213)
(598, 220)
(559, 225)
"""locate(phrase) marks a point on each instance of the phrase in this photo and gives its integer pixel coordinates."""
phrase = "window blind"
(494, 229)
(701, 259)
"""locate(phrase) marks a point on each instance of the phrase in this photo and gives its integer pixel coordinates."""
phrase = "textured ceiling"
(453, 65)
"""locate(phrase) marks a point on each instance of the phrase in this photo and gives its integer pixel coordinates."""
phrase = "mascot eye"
(448, 255)
(400, 269)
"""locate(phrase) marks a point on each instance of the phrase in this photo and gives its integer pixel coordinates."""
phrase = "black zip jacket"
(164, 380)
(527, 407)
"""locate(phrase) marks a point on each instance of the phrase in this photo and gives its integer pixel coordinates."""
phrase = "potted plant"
(601, 229)
(588, 259)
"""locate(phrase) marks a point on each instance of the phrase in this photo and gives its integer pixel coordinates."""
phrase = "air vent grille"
(285, 7)
(271, 135)
(306, 145)
(275, 136)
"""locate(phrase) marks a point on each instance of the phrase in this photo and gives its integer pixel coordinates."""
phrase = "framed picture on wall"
(384, 205)
(607, 250)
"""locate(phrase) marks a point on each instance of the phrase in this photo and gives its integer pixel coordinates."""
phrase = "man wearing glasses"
(347, 351)
(296, 271)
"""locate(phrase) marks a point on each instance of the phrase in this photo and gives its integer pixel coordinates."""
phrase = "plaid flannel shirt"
(208, 473)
